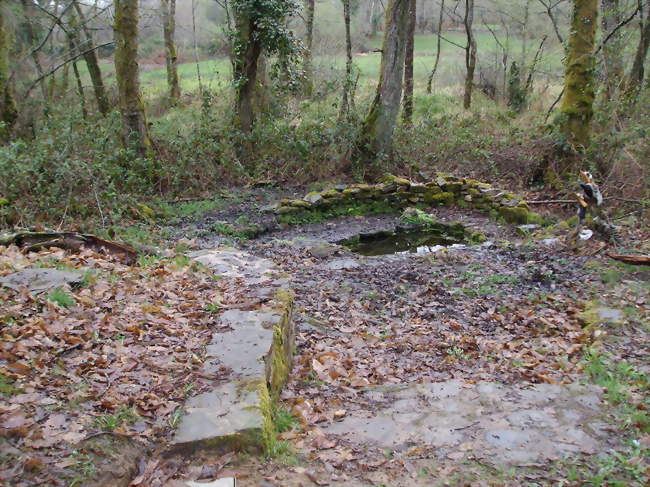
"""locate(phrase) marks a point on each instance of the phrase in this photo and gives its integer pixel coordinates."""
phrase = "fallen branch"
(34, 241)
(614, 198)
(631, 259)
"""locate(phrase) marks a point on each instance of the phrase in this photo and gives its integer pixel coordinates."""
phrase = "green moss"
(342, 208)
(520, 216)
(445, 198)
(7, 387)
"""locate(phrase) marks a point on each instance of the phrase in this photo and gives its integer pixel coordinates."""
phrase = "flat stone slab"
(39, 280)
(506, 425)
(227, 411)
(255, 345)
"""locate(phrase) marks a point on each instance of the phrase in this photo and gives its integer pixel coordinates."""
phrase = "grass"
(110, 422)
(61, 297)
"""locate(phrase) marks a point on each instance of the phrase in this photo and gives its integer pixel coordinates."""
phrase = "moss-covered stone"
(444, 198)
(300, 204)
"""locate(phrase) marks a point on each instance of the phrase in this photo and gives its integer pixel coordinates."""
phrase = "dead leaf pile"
(122, 356)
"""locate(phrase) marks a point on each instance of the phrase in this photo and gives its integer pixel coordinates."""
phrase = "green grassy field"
(216, 73)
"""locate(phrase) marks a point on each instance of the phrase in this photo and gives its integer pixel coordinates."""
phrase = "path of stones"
(416, 369)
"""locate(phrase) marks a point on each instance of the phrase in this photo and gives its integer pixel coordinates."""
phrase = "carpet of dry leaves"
(121, 357)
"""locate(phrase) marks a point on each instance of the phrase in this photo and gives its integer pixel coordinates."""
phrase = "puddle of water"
(404, 241)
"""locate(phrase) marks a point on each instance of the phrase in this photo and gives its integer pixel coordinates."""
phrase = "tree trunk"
(73, 44)
(377, 132)
(435, 64)
(28, 12)
(8, 112)
(134, 121)
(171, 59)
(309, 40)
(576, 109)
(247, 50)
(612, 60)
(344, 112)
(92, 63)
(408, 65)
(470, 53)
(635, 78)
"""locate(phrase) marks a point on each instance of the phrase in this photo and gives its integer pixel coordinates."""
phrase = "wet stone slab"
(506, 425)
(254, 345)
(39, 280)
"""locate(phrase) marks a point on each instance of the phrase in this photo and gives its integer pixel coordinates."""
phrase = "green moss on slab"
(445, 198)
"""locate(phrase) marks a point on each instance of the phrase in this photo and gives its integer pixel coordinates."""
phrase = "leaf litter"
(121, 359)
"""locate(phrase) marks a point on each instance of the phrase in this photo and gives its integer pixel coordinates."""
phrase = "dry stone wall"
(442, 190)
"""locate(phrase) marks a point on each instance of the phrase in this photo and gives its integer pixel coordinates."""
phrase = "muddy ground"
(464, 366)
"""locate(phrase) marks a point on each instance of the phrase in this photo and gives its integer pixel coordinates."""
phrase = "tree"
(309, 40)
(260, 25)
(408, 65)
(347, 84)
(470, 53)
(576, 108)
(8, 111)
(376, 136)
(28, 12)
(92, 63)
(127, 72)
(637, 72)
(171, 59)
(438, 42)
(612, 59)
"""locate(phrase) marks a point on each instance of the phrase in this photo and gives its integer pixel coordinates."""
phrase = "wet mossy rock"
(395, 193)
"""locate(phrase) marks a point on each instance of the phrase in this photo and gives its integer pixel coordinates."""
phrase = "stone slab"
(255, 345)
(39, 279)
(229, 409)
(505, 425)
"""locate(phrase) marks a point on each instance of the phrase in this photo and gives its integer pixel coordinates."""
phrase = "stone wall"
(443, 190)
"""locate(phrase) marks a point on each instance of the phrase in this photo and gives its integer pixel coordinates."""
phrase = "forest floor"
(519, 361)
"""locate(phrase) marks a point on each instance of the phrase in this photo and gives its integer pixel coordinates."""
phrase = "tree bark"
(73, 44)
(576, 108)
(407, 114)
(470, 53)
(28, 12)
(344, 112)
(612, 60)
(134, 121)
(171, 59)
(8, 111)
(92, 63)
(435, 64)
(309, 40)
(637, 72)
(245, 63)
(377, 132)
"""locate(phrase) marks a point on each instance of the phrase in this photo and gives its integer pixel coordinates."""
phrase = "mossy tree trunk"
(134, 121)
(92, 62)
(576, 109)
(8, 111)
(376, 138)
(171, 58)
(245, 65)
(470, 53)
(344, 112)
(308, 67)
(637, 72)
(612, 60)
(407, 113)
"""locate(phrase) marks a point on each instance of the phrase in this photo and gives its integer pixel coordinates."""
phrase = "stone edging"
(257, 347)
(442, 190)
